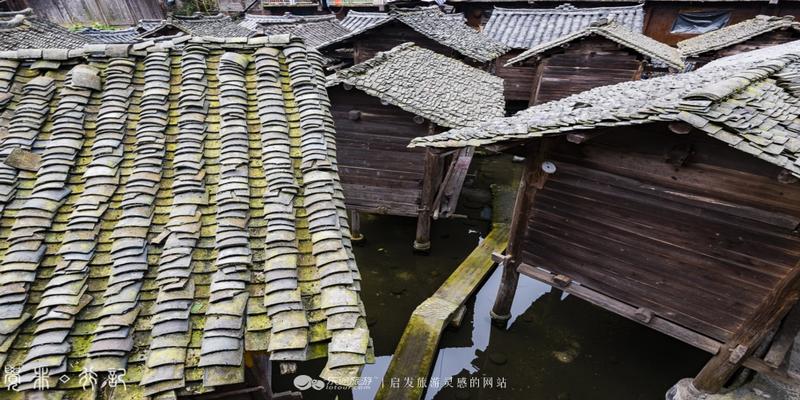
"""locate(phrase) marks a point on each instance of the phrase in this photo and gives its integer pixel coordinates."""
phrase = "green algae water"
(557, 346)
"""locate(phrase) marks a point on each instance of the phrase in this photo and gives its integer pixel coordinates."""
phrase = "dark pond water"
(557, 347)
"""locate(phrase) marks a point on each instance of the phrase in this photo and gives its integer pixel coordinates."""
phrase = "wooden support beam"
(449, 191)
(430, 183)
(533, 179)
(417, 349)
(624, 309)
(784, 339)
(750, 334)
(355, 227)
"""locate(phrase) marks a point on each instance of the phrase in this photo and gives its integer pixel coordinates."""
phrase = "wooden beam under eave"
(750, 334)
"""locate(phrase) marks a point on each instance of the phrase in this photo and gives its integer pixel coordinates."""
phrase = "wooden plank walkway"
(418, 346)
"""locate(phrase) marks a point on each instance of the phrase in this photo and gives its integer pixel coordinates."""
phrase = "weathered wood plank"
(416, 351)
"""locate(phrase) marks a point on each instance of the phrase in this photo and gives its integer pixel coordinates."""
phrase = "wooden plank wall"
(379, 173)
(518, 79)
(700, 245)
(584, 65)
(87, 12)
(660, 15)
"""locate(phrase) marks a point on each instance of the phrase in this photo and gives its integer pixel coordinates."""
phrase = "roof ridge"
(736, 33)
(26, 12)
(556, 10)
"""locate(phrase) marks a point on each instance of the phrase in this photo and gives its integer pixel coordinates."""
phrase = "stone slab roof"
(186, 209)
(735, 34)
(658, 52)
(528, 28)
(359, 20)
(22, 30)
(422, 82)
(315, 30)
(446, 29)
(750, 101)
(93, 35)
(219, 25)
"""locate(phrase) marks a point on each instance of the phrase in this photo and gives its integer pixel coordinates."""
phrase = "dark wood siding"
(758, 42)
(379, 172)
(660, 15)
(584, 65)
(87, 12)
(518, 79)
(700, 244)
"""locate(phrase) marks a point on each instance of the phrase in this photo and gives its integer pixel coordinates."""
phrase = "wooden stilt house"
(602, 53)
(171, 221)
(672, 201)
(521, 29)
(380, 104)
(427, 27)
(755, 33)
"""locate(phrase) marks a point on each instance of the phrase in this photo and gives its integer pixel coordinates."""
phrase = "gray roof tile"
(422, 82)
(527, 28)
(749, 100)
(735, 34)
(22, 30)
(446, 29)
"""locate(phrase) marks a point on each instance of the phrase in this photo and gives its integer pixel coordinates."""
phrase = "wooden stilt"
(746, 339)
(430, 184)
(533, 178)
(355, 227)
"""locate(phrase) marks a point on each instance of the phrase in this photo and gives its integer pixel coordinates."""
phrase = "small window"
(701, 21)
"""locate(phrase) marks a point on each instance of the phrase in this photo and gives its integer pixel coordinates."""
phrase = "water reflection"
(454, 360)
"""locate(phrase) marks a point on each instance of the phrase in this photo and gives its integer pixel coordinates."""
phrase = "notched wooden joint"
(737, 354)
(643, 314)
(354, 115)
(500, 257)
(562, 280)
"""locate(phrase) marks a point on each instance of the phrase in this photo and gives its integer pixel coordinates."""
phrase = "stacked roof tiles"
(747, 100)
(314, 31)
(21, 30)
(359, 20)
(220, 25)
(528, 28)
(93, 35)
(186, 209)
(422, 82)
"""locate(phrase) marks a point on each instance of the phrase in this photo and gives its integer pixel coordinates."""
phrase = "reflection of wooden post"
(430, 182)
(355, 227)
(532, 179)
(750, 334)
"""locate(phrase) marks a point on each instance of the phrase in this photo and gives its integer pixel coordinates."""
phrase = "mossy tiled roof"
(22, 30)
(186, 209)
(750, 101)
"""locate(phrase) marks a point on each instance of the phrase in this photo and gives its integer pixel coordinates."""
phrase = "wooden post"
(746, 339)
(355, 227)
(533, 178)
(430, 184)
